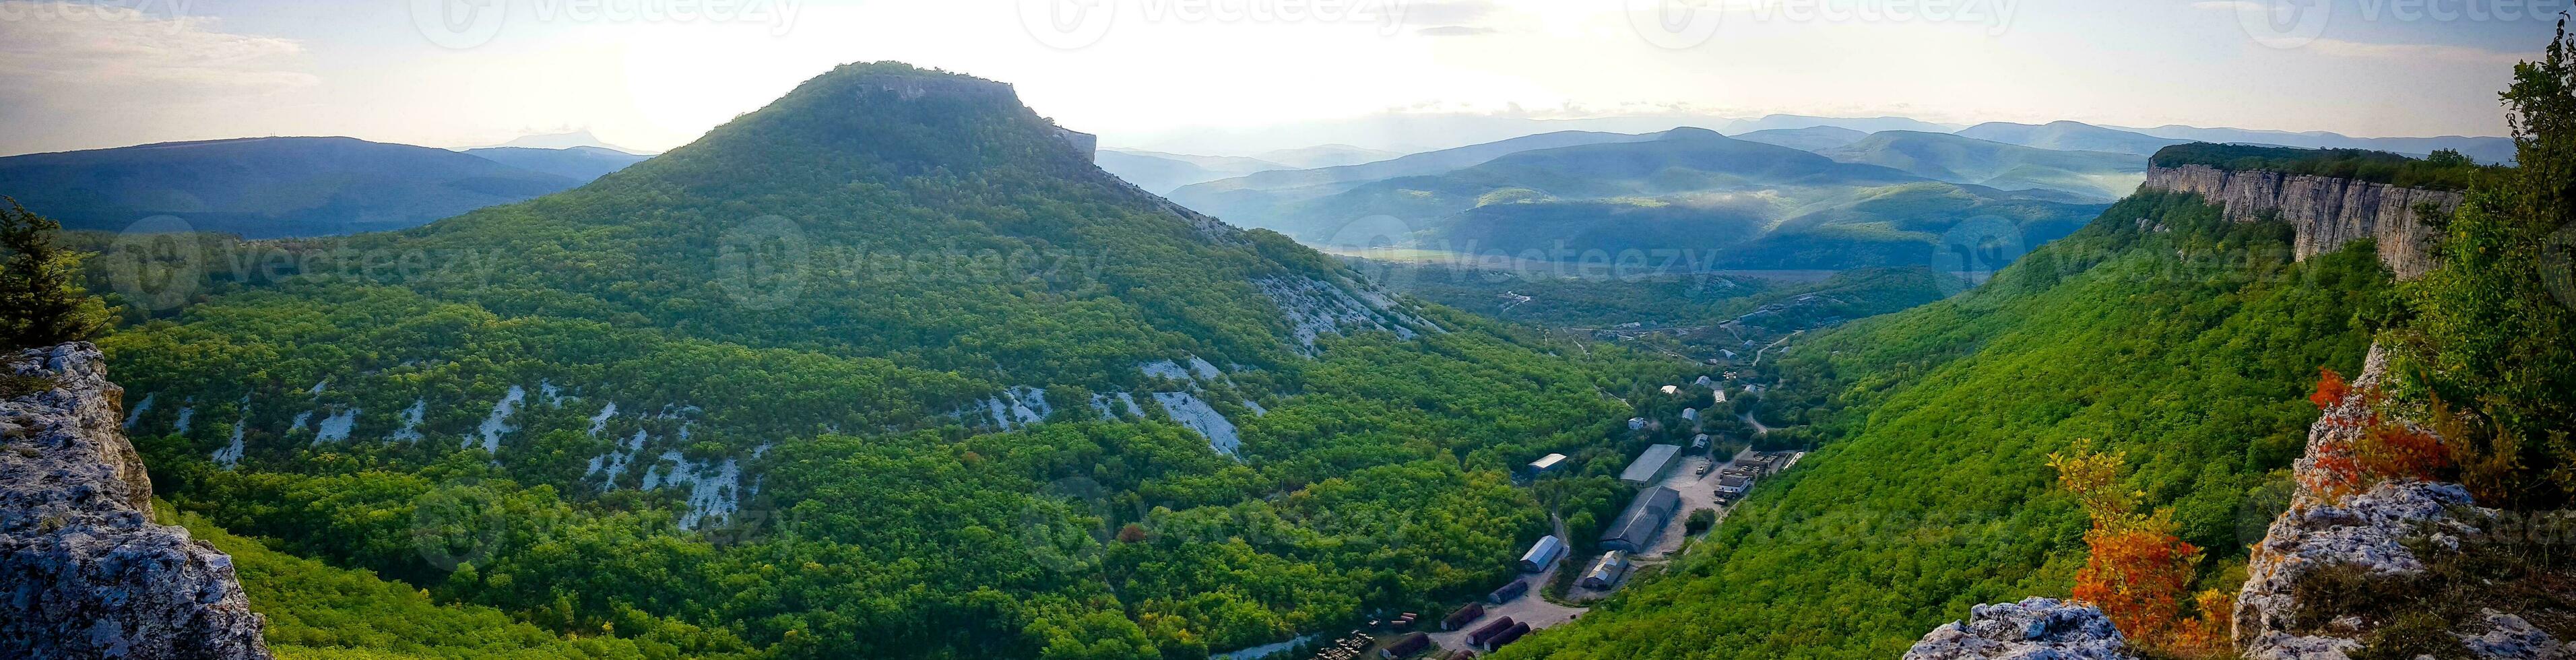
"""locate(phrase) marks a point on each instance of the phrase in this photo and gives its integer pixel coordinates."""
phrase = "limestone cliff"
(2327, 211)
(2369, 531)
(2033, 629)
(84, 573)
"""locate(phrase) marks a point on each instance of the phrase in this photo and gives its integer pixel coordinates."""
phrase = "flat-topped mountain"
(887, 368)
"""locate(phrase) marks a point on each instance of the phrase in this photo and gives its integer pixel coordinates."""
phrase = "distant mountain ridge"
(1734, 202)
(577, 163)
(267, 187)
(2070, 136)
(2489, 150)
(1161, 173)
(2104, 176)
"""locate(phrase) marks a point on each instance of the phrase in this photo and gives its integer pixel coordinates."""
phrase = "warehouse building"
(1542, 553)
(1606, 573)
(1636, 528)
(1650, 465)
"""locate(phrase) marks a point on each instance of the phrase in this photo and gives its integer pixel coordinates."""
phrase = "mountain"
(885, 369)
(1811, 138)
(1327, 155)
(571, 140)
(2161, 330)
(1160, 173)
(1958, 159)
(1862, 124)
(1256, 199)
(267, 187)
(582, 164)
(2069, 136)
(2488, 150)
(1728, 202)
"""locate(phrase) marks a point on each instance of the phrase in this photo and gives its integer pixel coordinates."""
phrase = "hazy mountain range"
(1884, 201)
(1415, 132)
(275, 187)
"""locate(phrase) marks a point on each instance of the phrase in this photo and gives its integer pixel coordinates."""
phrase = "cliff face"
(2327, 211)
(2369, 531)
(83, 571)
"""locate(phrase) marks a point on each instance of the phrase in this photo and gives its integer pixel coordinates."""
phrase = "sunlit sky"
(654, 74)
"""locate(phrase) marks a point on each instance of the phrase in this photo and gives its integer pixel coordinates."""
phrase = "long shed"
(1650, 464)
(1542, 553)
(1636, 528)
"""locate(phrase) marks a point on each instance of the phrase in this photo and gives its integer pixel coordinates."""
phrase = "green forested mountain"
(1956, 159)
(266, 187)
(2160, 329)
(886, 369)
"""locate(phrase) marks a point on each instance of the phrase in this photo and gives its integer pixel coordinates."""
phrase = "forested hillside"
(886, 369)
(2160, 330)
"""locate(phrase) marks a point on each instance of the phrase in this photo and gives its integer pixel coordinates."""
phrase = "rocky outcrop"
(2327, 211)
(2369, 531)
(2033, 629)
(84, 573)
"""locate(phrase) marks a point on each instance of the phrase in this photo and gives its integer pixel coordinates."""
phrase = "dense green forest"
(886, 369)
(2445, 170)
(2161, 330)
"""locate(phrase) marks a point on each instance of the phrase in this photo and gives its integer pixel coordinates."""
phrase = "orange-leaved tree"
(2362, 445)
(2137, 570)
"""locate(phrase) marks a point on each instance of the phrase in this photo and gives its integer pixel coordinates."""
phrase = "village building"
(1541, 554)
(1607, 572)
(1650, 464)
(1636, 528)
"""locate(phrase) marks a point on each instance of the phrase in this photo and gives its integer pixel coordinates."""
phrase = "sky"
(654, 74)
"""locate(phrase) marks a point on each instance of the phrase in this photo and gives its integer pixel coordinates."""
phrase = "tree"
(2136, 569)
(2493, 332)
(41, 300)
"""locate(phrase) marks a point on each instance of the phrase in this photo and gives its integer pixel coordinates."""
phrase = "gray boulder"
(2034, 629)
(84, 573)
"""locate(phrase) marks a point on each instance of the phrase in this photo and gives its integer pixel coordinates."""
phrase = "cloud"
(2416, 52)
(1450, 13)
(1455, 31)
(80, 47)
(95, 72)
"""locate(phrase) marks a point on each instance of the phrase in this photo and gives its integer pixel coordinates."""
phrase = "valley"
(893, 361)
